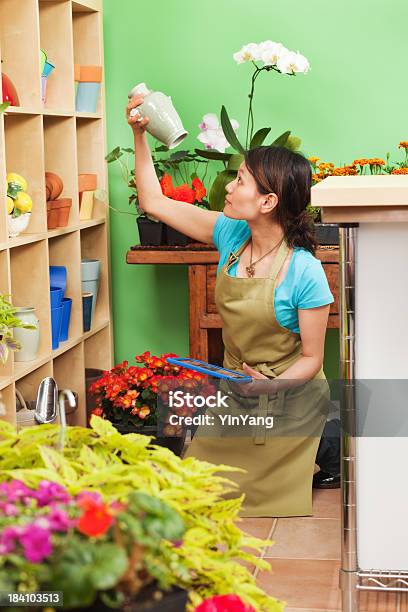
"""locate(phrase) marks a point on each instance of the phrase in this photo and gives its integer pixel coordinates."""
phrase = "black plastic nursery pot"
(150, 599)
(327, 233)
(151, 233)
(173, 443)
(176, 238)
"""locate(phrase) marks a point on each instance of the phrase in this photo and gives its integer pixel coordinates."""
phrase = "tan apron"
(279, 462)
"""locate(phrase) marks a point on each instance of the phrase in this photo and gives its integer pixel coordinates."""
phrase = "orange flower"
(144, 412)
(200, 190)
(376, 161)
(96, 519)
(361, 162)
(403, 145)
(166, 184)
(184, 193)
(313, 159)
(400, 171)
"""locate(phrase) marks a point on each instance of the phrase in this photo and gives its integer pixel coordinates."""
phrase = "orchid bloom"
(212, 135)
(273, 54)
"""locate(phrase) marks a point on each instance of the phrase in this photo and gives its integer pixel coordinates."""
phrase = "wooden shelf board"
(92, 222)
(23, 368)
(5, 381)
(88, 115)
(20, 110)
(25, 239)
(60, 231)
(55, 112)
(86, 6)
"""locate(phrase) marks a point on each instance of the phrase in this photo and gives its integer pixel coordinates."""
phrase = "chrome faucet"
(50, 402)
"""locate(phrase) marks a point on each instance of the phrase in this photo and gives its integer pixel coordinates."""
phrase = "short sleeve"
(313, 290)
(228, 235)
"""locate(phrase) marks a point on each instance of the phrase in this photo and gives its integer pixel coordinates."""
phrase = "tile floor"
(305, 560)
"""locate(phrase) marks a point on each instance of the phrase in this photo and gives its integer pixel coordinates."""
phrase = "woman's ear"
(269, 203)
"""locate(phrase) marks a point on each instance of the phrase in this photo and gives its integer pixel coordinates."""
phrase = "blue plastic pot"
(87, 310)
(66, 316)
(87, 97)
(58, 277)
(56, 320)
(56, 295)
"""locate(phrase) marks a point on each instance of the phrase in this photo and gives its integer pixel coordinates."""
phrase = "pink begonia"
(59, 520)
(49, 492)
(36, 543)
(14, 491)
(8, 538)
(8, 509)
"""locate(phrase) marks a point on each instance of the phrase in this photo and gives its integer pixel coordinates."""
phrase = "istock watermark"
(177, 399)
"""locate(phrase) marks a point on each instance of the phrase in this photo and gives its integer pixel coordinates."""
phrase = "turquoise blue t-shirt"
(304, 286)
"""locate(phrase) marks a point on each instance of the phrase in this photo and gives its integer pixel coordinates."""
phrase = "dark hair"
(289, 175)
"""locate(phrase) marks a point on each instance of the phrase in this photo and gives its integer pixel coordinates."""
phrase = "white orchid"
(272, 53)
(293, 62)
(212, 135)
(248, 53)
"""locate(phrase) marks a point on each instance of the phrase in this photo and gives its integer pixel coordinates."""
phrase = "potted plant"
(267, 56)
(328, 233)
(182, 165)
(206, 560)
(134, 398)
(8, 322)
(192, 193)
(99, 555)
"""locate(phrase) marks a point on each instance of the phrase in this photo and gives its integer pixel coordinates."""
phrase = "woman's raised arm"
(182, 216)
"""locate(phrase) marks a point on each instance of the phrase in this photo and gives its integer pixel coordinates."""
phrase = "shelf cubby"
(59, 144)
(65, 251)
(8, 398)
(56, 40)
(90, 249)
(69, 373)
(28, 385)
(30, 286)
(97, 350)
(25, 155)
(20, 49)
(35, 138)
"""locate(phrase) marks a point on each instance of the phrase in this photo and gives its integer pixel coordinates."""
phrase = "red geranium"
(224, 603)
(96, 518)
(183, 193)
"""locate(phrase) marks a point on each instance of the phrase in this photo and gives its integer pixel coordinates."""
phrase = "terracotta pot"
(87, 182)
(52, 216)
(63, 208)
(55, 184)
(91, 74)
(9, 91)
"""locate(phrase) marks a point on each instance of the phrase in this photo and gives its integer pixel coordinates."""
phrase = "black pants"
(328, 453)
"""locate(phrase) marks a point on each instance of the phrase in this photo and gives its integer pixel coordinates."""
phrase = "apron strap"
(278, 261)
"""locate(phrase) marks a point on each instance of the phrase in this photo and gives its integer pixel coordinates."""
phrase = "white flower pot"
(29, 338)
(16, 225)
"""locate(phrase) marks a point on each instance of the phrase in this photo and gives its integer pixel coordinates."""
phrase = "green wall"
(351, 104)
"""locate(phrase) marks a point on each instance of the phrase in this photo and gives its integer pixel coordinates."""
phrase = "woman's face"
(243, 200)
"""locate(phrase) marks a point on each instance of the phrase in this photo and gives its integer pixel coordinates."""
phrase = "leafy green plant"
(8, 322)
(3, 106)
(100, 459)
(182, 165)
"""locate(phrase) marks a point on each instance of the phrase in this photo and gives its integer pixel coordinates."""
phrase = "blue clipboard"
(209, 369)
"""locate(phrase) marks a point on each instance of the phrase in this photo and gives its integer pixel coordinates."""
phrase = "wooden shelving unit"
(55, 138)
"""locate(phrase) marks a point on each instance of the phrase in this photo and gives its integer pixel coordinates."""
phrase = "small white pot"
(16, 225)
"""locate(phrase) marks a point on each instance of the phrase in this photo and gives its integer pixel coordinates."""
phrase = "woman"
(274, 300)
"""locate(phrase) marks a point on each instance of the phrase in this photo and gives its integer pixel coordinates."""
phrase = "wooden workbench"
(205, 322)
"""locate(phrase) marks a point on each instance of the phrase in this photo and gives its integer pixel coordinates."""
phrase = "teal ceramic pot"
(164, 122)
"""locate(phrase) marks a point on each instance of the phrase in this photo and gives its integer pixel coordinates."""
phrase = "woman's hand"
(256, 387)
(136, 122)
